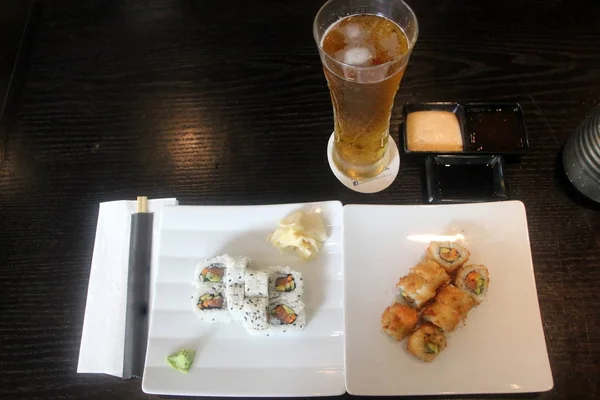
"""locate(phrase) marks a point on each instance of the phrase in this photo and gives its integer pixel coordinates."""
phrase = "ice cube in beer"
(353, 31)
(358, 56)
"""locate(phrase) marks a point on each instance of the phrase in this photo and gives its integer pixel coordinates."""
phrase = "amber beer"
(364, 57)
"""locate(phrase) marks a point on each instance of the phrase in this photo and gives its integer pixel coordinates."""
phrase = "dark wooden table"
(224, 102)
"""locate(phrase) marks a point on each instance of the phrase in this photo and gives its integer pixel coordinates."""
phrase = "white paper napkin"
(103, 336)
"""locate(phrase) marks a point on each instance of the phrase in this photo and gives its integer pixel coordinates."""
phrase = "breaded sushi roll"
(449, 255)
(441, 315)
(210, 305)
(426, 342)
(452, 296)
(256, 283)
(234, 294)
(285, 283)
(415, 290)
(399, 320)
(256, 318)
(432, 272)
(473, 280)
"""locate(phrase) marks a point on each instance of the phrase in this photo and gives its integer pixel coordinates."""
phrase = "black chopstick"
(138, 290)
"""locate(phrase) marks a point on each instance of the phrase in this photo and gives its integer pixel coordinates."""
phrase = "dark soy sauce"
(466, 181)
(495, 130)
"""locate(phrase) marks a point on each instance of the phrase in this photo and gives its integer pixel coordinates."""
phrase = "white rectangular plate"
(501, 349)
(230, 362)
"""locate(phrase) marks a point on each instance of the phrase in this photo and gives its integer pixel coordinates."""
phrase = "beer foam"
(357, 56)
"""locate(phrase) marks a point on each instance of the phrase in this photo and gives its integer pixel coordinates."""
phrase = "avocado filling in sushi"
(449, 255)
(210, 301)
(213, 273)
(475, 282)
(284, 314)
(285, 283)
(431, 348)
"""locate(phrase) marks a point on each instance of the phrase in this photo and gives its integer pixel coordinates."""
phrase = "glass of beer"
(364, 47)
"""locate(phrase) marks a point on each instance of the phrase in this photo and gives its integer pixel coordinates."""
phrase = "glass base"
(377, 183)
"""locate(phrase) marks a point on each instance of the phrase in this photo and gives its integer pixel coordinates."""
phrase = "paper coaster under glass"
(369, 185)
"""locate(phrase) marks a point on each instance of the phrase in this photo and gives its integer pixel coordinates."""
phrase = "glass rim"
(411, 43)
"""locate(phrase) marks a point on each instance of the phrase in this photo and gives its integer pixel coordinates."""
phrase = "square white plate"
(502, 347)
(230, 362)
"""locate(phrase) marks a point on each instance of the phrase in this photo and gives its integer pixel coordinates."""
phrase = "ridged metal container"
(581, 157)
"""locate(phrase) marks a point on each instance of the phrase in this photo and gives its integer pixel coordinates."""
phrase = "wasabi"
(182, 360)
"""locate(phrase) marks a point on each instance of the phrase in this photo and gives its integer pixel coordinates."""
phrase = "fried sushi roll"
(399, 321)
(439, 314)
(426, 342)
(453, 297)
(432, 272)
(415, 290)
(449, 255)
(473, 280)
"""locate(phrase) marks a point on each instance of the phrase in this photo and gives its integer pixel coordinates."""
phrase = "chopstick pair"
(138, 290)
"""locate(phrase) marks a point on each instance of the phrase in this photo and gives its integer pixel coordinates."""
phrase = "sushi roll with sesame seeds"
(286, 316)
(427, 342)
(213, 270)
(256, 283)
(449, 255)
(236, 273)
(234, 294)
(255, 317)
(210, 305)
(285, 283)
(474, 281)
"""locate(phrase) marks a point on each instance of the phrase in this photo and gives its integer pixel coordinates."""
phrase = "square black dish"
(445, 107)
(495, 128)
(465, 178)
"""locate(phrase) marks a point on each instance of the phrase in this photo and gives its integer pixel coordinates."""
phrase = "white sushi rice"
(255, 314)
(279, 271)
(234, 294)
(212, 315)
(256, 284)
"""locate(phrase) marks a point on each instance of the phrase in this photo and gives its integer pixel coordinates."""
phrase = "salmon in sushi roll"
(452, 296)
(399, 321)
(473, 280)
(441, 315)
(426, 342)
(449, 255)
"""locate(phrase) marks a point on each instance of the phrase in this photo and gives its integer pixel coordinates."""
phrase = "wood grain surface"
(224, 102)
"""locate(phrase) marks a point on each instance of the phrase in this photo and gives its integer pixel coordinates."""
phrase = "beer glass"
(364, 47)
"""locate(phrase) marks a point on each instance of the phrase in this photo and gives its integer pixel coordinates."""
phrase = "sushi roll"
(453, 297)
(474, 280)
(235, 274)
(256, 319)
(234, 295)
(285, 283)
(286, 316)
(432, 272)
(256, 283)
(415, 290)
(449, 255)
(212, 271)
(210, 305)
(427, 342)
(399, 320)
(441, 315)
